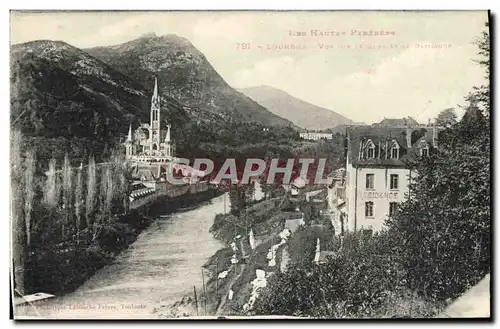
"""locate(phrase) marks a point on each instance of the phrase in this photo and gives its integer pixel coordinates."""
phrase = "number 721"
(243, 46)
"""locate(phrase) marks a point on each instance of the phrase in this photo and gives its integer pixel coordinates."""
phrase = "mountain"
(301, 113)
(64, 99)
(185, 75)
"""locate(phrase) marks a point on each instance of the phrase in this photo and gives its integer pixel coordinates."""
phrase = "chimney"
(386, 147)
(360, 149)
(434, 135)
(408, 137)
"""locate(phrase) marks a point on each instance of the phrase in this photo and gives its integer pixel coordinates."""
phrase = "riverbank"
(232, 270)
(153, 254)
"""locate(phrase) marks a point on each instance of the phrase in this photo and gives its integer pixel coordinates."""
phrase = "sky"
(420, 64)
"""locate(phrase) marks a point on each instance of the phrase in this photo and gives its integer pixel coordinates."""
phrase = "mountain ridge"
(302, 113)
(184, 74)
(63, 99)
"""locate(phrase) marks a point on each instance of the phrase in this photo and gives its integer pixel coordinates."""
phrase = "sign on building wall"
(372, 195)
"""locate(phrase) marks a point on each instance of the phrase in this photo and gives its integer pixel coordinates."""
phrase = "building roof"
(393, 122)
(382, 139)
(337, 174)
(299, 182)
(144, 174)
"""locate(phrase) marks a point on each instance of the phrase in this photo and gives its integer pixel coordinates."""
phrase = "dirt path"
(475, 303)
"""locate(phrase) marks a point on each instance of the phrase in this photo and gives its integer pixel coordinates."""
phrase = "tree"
(17, 211)
(446, 118)
(67, 195)
(78, 203)
(237, 198)
(445, 226)
(29, 190)
(481, 94)
(90, 201)
(50, 192)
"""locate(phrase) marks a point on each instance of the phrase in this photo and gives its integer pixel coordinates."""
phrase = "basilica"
(150, 142)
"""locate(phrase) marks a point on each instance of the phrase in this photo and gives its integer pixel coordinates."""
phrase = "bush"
(353, 284)
(445, 226)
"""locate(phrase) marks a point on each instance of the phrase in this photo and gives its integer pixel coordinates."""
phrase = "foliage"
(29, 192)
(302, 244)
(446, 118)
(47, 208)
(445, 226)
(237, 198)
(357, 282)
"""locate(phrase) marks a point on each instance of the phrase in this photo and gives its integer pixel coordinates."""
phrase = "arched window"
(370, 149)
(394, 150)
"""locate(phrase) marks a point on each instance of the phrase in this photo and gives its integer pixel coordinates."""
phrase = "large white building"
(151, 142)
(316, 136)
(375, 179)
(150, 150)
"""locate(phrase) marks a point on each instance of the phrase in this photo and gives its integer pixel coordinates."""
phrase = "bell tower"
(155, 129)
(169, 152)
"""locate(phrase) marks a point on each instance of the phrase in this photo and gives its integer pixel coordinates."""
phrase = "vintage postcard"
(257, 164)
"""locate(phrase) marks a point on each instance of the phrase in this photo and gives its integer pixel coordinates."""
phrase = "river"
(158, 269)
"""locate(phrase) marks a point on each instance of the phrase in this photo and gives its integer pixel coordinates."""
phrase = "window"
(369, 209)
(370, 149)
(424, 148)
(394, 181)
(394, 153)
(370, 181)
(371, 153)
(392, 208)
(394, 150)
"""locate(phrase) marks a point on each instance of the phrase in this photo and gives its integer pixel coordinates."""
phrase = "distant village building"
(394, 123)
(337, 200)
(296, 186)
(315, 136)
(367, 191)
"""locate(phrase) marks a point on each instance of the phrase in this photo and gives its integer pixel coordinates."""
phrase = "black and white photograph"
(250, 165)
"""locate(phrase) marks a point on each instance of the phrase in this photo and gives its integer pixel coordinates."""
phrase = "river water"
(158, 269)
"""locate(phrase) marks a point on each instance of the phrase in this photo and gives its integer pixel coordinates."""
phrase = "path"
(475, 303)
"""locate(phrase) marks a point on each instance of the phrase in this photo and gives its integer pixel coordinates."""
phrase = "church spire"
(155, 98)
(129, 137)
(155, 91)
(167, 136)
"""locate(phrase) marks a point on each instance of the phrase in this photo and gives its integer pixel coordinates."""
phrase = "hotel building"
(376, 177)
